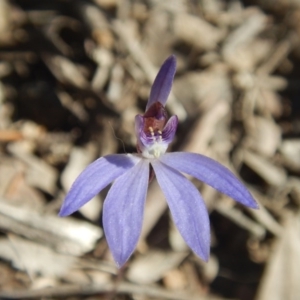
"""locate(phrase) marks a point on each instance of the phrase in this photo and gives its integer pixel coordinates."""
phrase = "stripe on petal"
(94, 178)
(123, 211)
(210, 172)
(163, 82)
(187, 207)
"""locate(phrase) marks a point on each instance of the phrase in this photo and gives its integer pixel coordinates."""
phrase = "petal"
(145, 139)
(139, 130)
(94, 178)
(187, 208)
(163, 82)
(212, 173)
(123, 211)
(170, 130)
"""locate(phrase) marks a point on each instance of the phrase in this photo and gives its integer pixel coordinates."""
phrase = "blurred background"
(73, 75)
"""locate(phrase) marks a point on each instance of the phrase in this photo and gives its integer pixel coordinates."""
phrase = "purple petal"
(167, 136)
(94, 178)
(210, 172)
(187, 208)
(123, 211)
(139, 131)
(170, 130)
(163, 82)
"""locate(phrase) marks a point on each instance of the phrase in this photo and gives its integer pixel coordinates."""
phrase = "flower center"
(157, 146)
(156, 137)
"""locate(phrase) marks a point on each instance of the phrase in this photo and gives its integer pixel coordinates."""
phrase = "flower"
(123, 207)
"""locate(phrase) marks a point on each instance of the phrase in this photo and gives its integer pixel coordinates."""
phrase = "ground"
(73, 75)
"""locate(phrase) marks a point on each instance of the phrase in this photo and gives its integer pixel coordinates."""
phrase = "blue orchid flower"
(123, 207)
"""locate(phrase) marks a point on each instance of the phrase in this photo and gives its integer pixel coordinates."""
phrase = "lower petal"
(212, 173)
(187, 207)
(94, 178)
(123, 211)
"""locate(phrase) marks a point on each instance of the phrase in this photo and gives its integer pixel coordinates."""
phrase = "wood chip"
(272, 174)
(290, 150)
(265, 136)
(79, 159)
(152, 266)
(34, 258)
(195, 27)
(66, 235)
(38, 172)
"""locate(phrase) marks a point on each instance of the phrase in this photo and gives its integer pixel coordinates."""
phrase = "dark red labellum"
(155, 118)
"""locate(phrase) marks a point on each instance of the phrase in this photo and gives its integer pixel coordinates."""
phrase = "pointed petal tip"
(120, 263)
(171, 59)
(205, 253)
(120, 259)
(206, 257)
(65, 211)
(254, 204)
(62, 214)
(162, 84)
(169, 65)
(247, 199)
